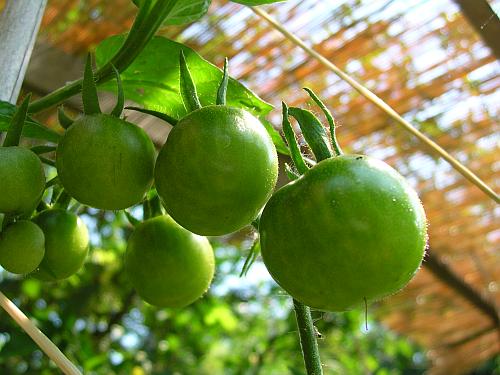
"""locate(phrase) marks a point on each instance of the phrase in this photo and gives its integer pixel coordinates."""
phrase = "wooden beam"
(445, 274)
(484, 19)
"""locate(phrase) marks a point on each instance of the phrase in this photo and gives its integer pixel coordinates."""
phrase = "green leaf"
(184, 11)
(313, 131)
(153, 82)
(31, 129)
(256, 2)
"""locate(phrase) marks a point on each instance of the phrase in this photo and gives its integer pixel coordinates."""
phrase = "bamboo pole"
(38, 337)
(459, 167)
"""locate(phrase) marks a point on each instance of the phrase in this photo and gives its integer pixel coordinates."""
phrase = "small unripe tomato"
(66, 244)
(168, 265)
(22, 180)
(22, 246)
(105, 162)
(351, 228)
(217, 170)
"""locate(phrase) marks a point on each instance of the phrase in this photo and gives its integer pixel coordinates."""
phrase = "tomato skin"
(22, 180)
(216, 171)
(105, 162)
(168, 265)
(350, 228)
(22, 247)
(66, 244)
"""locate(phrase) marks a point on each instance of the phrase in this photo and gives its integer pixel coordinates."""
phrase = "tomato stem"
(308, 341)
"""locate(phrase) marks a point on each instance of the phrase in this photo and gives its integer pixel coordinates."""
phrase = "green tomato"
(66, 244)
(105, 162)
(168, 265)
(22, 180)
(21, 247)
(350, 228)
(217, 170)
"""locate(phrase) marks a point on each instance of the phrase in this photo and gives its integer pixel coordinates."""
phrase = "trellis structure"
(425, 60)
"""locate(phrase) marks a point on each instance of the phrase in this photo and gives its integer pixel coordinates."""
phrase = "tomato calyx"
(89, 94)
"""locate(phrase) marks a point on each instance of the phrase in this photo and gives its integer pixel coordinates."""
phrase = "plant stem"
(308, 342)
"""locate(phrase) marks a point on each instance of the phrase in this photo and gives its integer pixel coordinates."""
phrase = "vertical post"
(19, 24)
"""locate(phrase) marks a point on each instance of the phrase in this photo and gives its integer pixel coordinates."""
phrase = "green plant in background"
(214, 175)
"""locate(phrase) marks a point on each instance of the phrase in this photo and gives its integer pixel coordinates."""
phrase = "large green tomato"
(105, 162)
(22, 180)
(168, 265)
(66, 244)
(21, 247)
(350, 228)
(217, 170)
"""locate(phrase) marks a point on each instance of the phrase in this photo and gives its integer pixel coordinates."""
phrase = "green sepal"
(155, 204)
(63, 200)
(7, 220)
(42, 206)
(120, 97)
(52, 182)
(89, 90)
(313, 132)
(132, 220)
(222, 91)
(162, 116)
(290, 173)
(278, 141)
(188, 89)
(251, 257)
(43, 149)
(16, 126)
(295, 153)
(64, 120)
(329, 118)
(46, 161)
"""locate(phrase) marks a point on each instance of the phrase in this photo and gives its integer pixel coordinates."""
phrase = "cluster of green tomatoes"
(347, 229)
